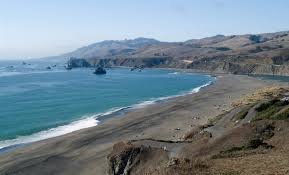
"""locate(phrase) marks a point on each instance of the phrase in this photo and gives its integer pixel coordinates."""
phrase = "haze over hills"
(241, 54)
(111, 48)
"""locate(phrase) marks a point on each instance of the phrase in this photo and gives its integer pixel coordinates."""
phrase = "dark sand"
(84, 152)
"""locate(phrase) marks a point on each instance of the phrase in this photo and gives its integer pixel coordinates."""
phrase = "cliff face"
(240, 68)
(126, 158)
(200, 66)
(237, 54)
(77, 62)
(124, 62)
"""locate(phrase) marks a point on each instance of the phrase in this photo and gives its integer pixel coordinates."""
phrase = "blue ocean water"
(37, 103)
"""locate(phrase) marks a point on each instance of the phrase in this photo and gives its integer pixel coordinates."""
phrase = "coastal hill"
(239, 54)
(111, 48)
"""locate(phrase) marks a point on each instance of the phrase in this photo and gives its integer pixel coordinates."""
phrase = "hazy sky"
(37, 28)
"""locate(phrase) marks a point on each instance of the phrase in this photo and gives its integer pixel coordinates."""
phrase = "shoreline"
(99, 118)
(81, 150)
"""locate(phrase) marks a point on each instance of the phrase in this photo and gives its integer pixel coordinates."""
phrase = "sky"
(38, 28)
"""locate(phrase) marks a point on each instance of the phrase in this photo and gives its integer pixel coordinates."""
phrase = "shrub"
(255, 38)
(266, 105)
(223, 48)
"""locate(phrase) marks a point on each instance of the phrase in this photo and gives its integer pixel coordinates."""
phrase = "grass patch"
(214, 120)
(245, 150)
(243, 113)
(268, 113)
(274, 109)
(259, 95)
(282, 115)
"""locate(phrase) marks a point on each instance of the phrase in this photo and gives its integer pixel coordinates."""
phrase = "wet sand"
(84, 151)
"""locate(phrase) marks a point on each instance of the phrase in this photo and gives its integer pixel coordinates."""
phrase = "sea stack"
(99, 71)
(68, 67)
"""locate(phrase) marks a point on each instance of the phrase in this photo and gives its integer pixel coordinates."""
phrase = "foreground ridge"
(252, 138)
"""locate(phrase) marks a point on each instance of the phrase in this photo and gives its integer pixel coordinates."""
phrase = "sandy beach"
(85, 151)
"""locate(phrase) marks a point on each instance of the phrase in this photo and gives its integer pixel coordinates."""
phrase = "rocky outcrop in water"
(99, 71)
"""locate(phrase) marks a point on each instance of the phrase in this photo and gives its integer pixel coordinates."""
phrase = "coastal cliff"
(237, 54)
(200, 65)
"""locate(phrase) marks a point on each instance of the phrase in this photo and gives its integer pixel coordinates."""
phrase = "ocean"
(37, 103)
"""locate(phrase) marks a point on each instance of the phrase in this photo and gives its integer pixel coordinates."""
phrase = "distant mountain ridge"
(266, 53)
(111, 48)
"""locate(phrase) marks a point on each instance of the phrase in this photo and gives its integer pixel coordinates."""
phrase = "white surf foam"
(54, 132)
(5, 74)
(85, 122)
(155, 100)
(197, 89)
(174, 73)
